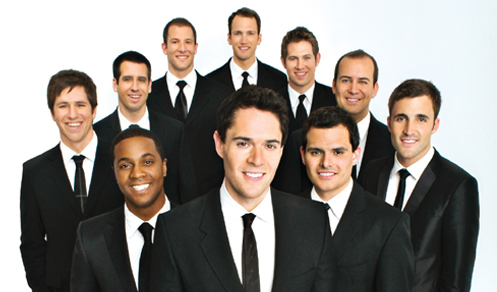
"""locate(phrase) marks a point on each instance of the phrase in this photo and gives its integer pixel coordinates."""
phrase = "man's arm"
(82, 277)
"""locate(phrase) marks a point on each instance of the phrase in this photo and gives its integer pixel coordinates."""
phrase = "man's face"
(251, 153)
(180, 50)
(329, 159)
(73, 115)
(244, 38)
(411, 123)
(355, 87)
(133, 86)
(140, 173)
(300, 65)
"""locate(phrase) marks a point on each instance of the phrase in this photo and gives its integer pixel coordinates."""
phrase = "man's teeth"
(408, 141)
(140, 187)
(353, 99)
(254, 175)
(74, 124)
(326, 173)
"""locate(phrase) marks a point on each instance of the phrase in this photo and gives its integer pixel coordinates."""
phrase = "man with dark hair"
(245, 236)
(244, 35)
(65, 185)
(185, 95)
(439, 196)
(132, 83)
(371, 240)
(112, 251)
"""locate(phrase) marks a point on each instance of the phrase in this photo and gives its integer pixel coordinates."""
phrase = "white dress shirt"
(89, 152)
(416, 170)
(236, 74)
(189, 90)
(135, 239)
(263, 227)
(294, 99)
(337, 204)
(143, 123)
(363, 127)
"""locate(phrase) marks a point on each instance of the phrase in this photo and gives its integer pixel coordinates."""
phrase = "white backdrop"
(452, 43)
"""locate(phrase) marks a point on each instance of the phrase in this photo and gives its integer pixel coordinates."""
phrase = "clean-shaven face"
(300, 65)
(244, 38)
(180, 50)
(133, 86)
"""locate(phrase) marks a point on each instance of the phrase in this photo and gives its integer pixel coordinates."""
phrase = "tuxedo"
(50, 214)
(444, 212)
(177, 183)
(267, 76)
(200, 125)
(192, 251)
(101, 258)
(291, 175)
(372, 250)
(323, 96)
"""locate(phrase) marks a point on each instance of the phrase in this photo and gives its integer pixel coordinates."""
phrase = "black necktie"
(80, 181)
(180, 104)
(399, 199)
(250, 259)
(301, 113)
(245, 75)
(145, 258)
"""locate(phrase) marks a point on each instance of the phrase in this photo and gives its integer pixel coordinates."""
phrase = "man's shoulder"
(219, 72)
(268, 69)
(40, 160)
(163, 121)
(296, 204)
(449, 170)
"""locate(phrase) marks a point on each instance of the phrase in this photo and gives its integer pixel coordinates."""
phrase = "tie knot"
(78, 159)
(245, 74)
(146, 231)
(181, 84)
(247, 220)
(301, 98)
(403, 173)
(326, 206)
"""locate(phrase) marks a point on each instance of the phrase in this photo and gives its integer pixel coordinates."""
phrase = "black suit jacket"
(192, 251)
(177, 183)
(267, 76)
(372, 248)
(199, 128)
(323, 96)
(444, 211)
(101, 258)
(50, 214)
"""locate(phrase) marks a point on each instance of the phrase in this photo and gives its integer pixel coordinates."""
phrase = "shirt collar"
(190, 79)
(338, 202)
(417, 168)
(363, 126)
(144, 122)
(133, 222)
(294, 96)
(237, 71)
(89, 152)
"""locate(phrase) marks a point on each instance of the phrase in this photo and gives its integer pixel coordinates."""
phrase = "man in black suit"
(185, 95)
(54, 196)
(132, 83)
(110, 252)
(439, 196)
(204, 245)
(371, 240)
(244, 35)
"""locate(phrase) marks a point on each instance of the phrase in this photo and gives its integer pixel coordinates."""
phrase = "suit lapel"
(163, 99)
(321, 98)
(370, 146)
(200, 99)
(115, 126)
(215, 244)
(101, 171)
(227, 76)
(383, 178)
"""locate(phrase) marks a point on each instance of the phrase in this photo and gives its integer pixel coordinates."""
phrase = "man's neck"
(180, 74)
(133, 116)
(79, 146)
(301, 89)
(244, 64)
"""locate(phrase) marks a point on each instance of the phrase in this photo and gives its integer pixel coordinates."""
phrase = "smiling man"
(439, 196)
(244, 36)
(185, 95)
(132, 83)
(65, 185)
(112, 251)
(371, 240)
(245, 236)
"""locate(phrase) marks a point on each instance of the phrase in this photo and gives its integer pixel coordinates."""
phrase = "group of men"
(204, 166)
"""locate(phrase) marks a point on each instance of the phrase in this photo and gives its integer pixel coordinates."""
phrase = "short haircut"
(252, 96)
(330, 117)
(70, 79)
(415, 88)
(180, 21)
(136, 131)
(358, 54)
(296, 35)
(245, 12)
(133, 57)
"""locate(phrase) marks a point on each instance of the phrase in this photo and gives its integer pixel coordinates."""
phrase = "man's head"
(244, 35)
(355, 83)
(414, 107)
(132, 73)
(72, 100)
(180, 46)
(252, 125)
(329, 150)
(300, 56)
(140, 167)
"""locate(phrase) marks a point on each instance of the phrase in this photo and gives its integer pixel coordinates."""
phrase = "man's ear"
(219, 144)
